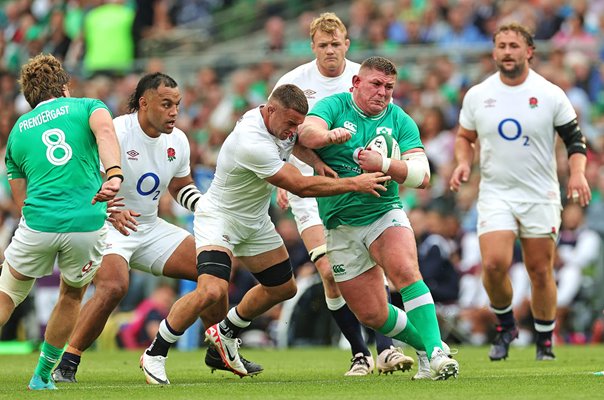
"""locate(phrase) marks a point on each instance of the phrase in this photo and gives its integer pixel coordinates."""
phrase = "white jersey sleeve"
(515, 127)
(149, 164)
(249, 155)
(316, 86)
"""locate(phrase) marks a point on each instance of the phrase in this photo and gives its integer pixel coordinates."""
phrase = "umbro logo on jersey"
(132, 154)
(489, 103)
(309, 93)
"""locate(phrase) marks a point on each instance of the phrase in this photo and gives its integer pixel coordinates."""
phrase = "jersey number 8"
(58, 152)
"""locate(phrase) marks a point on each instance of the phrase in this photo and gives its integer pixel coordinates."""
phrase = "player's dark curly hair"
(292, 97)
(380, 64)
(149, 82)
(43, 78)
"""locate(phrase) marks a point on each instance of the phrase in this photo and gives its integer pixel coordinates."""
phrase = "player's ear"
(355, 81)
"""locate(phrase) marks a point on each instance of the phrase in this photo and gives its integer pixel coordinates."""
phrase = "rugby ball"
(386, 145)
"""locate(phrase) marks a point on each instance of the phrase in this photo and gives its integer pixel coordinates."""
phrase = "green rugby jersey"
(53, 148)
(360, 209)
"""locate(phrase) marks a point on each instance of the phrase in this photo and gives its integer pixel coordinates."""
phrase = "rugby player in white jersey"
(155, 158)
(515, 113)
(232, 219)
(328, 74)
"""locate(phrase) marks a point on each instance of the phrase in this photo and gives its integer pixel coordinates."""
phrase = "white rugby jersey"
(316, 86)
(515, 126)
(248, 156)
(149, 164)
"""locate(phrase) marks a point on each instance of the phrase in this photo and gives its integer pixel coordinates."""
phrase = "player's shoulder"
(249, 128)
(539, 82)
(124, 123)
(352, 67)
(179, 135)
(297, 75)
(487, 84)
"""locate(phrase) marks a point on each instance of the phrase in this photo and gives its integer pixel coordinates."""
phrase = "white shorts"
(348, 246)
(78, 254)
(526, 220)
(305, 210)
(242, 238)
(149, 247)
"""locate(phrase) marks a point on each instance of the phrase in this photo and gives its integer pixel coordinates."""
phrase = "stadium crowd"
(571, 33)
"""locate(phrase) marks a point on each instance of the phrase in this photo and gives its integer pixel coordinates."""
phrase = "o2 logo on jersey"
(147, 185)
(510, 129)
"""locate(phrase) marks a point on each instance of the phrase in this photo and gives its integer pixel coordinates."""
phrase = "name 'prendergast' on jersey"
(43, 117)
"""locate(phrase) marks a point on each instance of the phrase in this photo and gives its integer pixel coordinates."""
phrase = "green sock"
(397, 320)
(422, 313)
(48, 358)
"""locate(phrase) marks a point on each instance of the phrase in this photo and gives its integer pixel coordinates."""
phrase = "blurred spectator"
(438, 141)
(274, 28)
(460, 32)
(151, 18)
(595, 211)
(549, 19)
(394, 28)
(572, 36)
(435, 253)
(108, 39)
(578, 248)
(140, 331)
(299, 44)
(360, 14)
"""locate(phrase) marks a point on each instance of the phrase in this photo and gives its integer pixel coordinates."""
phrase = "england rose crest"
(533, 102)
(171, 154)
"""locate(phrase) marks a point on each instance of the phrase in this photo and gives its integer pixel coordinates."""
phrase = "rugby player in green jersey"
(362, 231)
(53, 159)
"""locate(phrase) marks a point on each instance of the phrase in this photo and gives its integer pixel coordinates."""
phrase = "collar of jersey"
(362, 114)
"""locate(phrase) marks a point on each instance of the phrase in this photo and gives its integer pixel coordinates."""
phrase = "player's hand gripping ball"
(384, 144)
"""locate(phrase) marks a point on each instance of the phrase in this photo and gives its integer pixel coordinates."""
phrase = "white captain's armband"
(417, 169)
(188, 197)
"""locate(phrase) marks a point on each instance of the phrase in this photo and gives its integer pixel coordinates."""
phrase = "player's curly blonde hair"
(327, 22)
(42, 78)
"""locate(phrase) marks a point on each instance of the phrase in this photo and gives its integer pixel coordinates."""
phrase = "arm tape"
(317, 252)
(572, 137)
(188, 197)
(114, 172)
(417, 169)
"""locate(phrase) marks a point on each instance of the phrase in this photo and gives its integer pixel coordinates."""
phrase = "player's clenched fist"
(339, 135)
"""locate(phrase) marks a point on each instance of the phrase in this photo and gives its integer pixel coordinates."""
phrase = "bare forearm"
(305, 154)
(109, 148)
(320, 186)
(464, 151)
(313, 137)
(576, 163)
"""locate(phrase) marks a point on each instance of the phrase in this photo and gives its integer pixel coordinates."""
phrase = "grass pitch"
(317, 373)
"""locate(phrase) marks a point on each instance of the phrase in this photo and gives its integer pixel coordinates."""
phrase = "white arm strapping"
(188, 197)
(417, 169)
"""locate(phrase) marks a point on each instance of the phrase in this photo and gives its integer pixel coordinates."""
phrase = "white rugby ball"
(386, 145)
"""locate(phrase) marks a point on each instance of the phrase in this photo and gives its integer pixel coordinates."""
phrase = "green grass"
(317, 373)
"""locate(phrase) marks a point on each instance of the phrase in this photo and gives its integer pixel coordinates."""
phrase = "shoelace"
(359, 360)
